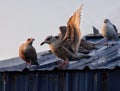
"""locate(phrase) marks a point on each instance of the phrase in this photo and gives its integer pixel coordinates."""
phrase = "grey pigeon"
(84, 46)
(88, 45)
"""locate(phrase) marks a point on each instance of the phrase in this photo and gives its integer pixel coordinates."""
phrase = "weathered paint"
(1, 82)
(72, 80)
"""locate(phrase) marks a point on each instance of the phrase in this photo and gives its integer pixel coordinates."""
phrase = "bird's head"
(48, 40)
(30, 41)
(106, 20)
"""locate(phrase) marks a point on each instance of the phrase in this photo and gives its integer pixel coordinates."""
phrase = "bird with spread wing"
(66, 47)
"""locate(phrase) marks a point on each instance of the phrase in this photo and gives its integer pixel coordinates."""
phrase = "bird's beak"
(42, 43)
(33, 39)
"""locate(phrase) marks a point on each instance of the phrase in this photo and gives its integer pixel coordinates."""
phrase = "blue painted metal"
(86, 80)
(56, 80)
(1, 82)
(114, 80)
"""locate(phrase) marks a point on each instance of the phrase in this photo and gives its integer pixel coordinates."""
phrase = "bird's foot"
(65, 62)
(28, 65)
(112, 44)
(106, 44)
(62, 66)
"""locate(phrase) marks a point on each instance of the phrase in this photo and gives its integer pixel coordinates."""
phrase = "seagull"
(66, 47)
(28, 53)
(63, 50)
(109, 31)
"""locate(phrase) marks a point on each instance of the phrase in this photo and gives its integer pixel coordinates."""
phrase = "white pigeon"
(109, 31)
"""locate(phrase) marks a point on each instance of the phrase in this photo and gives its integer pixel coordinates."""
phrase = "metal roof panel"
(106, 57)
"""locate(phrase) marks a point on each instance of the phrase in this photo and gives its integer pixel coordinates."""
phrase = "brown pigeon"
(28, 53)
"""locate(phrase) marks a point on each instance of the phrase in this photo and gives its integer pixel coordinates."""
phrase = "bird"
(84, 45)
(62, 49)
(81, 48)
(66, 47)
(95, 30)
(109, 31)
(28, 53)
(88, 45)
(62, 33)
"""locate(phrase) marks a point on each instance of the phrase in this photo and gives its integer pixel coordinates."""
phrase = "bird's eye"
(29, 39)
(48, 39)
(57, 37)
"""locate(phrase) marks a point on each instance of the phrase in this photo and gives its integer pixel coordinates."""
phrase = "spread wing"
(73, 33)
(62, 31)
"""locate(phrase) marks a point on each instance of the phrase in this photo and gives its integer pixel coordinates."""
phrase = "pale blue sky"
(21, 19)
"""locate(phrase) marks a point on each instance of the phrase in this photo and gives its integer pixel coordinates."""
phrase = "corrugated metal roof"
(106, 57)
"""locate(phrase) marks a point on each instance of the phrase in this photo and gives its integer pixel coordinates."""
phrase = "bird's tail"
(34, 63)
(77, 55)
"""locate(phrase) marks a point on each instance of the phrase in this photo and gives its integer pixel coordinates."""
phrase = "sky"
(22, 19)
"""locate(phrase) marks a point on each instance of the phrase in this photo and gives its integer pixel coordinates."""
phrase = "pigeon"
(83, 50)
(28, 53)
(88, 45)
(66, 47)
(84, 45)
(109, 31)
(62, 33)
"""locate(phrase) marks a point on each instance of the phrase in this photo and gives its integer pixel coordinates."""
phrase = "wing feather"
(73, 31)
